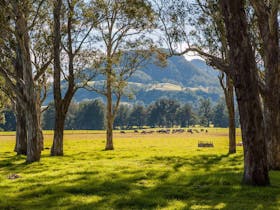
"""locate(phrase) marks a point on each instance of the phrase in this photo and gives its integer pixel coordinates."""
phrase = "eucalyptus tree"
(41, 57)
(213, 38)
(267, 15)
(121, 32)
(240, 66)
(16, 70)
(245, 75)
(17, 20)
(36, 24)
(263, 20)
(228, 89)
(264, 35)
(11, 65)
(198, 27)
(72, 57)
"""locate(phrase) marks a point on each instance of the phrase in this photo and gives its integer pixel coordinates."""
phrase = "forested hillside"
(183, 80)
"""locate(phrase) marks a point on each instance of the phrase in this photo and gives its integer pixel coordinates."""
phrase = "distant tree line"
(90, 115)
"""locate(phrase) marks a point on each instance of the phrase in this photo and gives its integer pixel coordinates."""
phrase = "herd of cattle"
(168, 131)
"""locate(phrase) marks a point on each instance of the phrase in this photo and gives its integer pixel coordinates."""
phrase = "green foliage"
(71, 117)
(220, 115)
(163, 112)
(90, 115)
(208, 26)
(48, 117)
(122, 116)
(8, 121)
(4, 100)
(172, 20)
(87, 115)
(205, 111)
(138, 116)
(184, 115)
(144, 172)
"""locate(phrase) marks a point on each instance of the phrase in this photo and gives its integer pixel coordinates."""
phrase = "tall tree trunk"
(272, 99)
(33, 133)
(61, 104)
(272, 122)
(21, 134)
(269, 32)
(29, 103)
(57, 146)
(245, 79)
(38, 106)
(109, 114)
(272, 126)
(231, 114)
(229, 98)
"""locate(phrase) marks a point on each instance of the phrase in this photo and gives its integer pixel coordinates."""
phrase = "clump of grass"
(157, 171)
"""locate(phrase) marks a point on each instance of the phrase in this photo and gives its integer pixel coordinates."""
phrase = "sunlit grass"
(145, 171)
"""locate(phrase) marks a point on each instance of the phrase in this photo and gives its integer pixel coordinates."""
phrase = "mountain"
(178, 71)
(201, 64)
(180, 79)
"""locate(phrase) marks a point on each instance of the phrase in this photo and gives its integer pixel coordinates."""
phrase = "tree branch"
(36, 15)
(214, 61)
(42, 70)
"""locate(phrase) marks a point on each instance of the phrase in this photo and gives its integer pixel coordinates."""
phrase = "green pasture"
(145, 171)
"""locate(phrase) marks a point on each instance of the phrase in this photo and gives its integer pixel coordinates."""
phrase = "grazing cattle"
(190, 131)
(178, 131)
(122, 132)
(135, 131)
(150, 132)
(164, 131)
(195, 130)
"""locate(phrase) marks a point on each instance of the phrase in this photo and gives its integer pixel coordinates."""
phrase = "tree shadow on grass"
(17, 163)
(146, 188)
(12, 162)
(205, 162)
(214, 190)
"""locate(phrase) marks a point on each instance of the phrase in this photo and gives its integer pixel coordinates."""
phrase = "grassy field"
(152, 171)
